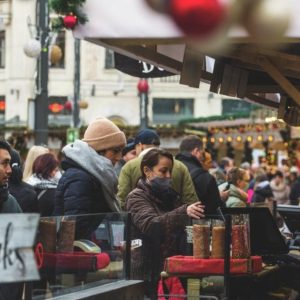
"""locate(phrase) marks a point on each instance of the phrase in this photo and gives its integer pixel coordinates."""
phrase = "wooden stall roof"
(243, 69)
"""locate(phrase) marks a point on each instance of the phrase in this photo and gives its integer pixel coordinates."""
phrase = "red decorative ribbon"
(39, 255)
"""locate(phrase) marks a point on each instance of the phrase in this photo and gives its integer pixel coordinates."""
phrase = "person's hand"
(195, 210)
(224, 195)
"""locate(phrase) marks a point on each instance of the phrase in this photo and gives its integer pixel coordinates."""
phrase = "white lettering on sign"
(17, 235)
(147, 68)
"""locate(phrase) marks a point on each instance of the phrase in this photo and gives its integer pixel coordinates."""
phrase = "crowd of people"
(104, 172)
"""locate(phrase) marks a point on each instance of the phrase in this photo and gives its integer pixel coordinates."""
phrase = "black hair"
(279, 174)
(16, 167)
(5, 145)
(189, 143)
(225, 162)
(151, 159)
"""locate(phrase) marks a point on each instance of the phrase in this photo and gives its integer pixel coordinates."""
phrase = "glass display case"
(74, 253)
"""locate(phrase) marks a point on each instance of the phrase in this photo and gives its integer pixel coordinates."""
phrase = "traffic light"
(72, 135)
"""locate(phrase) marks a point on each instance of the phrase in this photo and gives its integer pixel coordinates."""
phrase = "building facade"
(107, 91)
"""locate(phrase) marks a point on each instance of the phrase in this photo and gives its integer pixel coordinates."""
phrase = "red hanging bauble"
(68, 105)
(197, 18)
(70, 21)
(143, 86)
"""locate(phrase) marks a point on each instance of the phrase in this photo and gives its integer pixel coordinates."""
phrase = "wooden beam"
(150, 56)
(262, 101)
(276, 74)
(217, 76)
(191, 68)
(282, 107)
(226, 79)
(243, 84)
(234, 82)
(251, 56)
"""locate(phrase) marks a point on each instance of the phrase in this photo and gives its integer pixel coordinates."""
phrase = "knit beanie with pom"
(102, 134)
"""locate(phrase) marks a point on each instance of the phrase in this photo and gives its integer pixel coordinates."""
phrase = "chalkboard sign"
(138, 68)
(17, 236)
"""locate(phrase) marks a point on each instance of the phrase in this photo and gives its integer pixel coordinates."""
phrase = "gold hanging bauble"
(55, 54)
(83, 104)
(268, 20)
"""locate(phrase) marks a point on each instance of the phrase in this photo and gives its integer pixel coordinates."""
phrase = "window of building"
(109, 59)
(60, 41)
(171, 111)
(59, 110)
(2, 49)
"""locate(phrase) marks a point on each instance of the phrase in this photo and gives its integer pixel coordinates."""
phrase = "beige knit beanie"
(103, 134)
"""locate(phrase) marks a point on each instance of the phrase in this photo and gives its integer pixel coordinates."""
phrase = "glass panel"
(167, 256)
(79, 252)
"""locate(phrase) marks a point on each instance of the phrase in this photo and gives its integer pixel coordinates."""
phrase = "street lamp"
(143, 89)
(41, 100)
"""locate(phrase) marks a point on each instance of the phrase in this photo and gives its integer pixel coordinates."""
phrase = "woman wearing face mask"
(45, 179)
(237, 184)
(156, 218)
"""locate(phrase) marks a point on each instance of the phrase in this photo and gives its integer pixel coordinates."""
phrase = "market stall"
(242, 50)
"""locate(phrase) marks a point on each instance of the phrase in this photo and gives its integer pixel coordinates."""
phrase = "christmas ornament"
(55, 54)
(197, 17)
(143, 86)
(68, 106)
(73, 12)
(267, 20)
(32, 48)
(70, 21)
(83, 104)
(161, 6)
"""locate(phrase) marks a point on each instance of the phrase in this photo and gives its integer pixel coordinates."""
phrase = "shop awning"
(246, 70)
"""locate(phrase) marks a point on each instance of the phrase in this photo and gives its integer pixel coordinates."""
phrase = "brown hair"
(44, 165)
(151, 159)
(235, 174)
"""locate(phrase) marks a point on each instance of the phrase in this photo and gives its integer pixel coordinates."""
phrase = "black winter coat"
(261, 194)
(46, 201)
(25, 195)
(79, 193)
(295, 192)
(204, 183)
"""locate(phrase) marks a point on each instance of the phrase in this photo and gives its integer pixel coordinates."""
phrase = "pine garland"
(64, 8)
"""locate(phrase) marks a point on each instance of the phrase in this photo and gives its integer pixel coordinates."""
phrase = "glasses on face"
(116, 150)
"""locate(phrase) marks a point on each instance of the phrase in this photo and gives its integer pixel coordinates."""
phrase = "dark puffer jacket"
(204, 183)
(160, 228)
(25, 195)
(78, 193)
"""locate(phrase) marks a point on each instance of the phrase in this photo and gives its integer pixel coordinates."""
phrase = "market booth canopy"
(250, 59)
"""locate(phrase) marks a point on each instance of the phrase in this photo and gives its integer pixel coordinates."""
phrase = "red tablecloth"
(190, 265)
